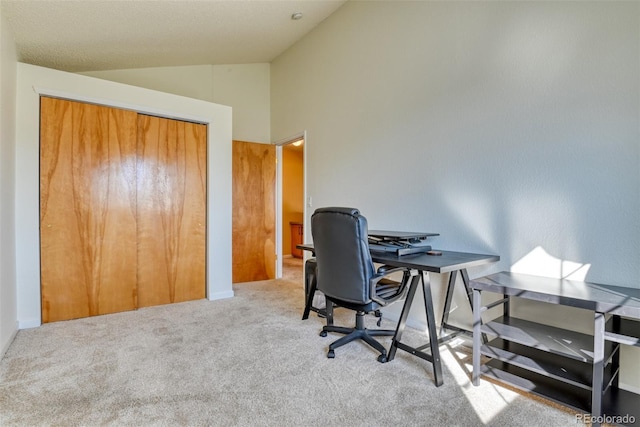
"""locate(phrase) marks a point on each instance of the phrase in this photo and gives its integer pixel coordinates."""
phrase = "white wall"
(8, 311)
(244, 87)
(33, 80)
(511, 128)
(192, 81)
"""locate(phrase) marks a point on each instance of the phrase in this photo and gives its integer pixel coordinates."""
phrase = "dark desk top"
(447, 262)
(591, 296)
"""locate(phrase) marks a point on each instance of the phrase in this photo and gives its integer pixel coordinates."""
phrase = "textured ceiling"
(89, 35)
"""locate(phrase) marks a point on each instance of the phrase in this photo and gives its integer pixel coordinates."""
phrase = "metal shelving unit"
(574, 369)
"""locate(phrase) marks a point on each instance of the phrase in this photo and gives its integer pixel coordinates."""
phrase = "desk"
(574, 369)
(448, 262)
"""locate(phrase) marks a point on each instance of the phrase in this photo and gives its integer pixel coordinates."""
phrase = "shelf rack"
(578, 370)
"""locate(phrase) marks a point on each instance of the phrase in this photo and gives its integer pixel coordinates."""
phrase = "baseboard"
(287, 256)
(221, 295)
(411, 322)
(630, 388)
(6, 345)
(28, 324)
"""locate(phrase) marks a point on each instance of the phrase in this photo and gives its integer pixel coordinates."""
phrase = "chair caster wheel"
(323, 333)
(383, 358)
(331, 354)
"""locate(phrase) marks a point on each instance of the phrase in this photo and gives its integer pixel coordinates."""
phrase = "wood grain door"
(171, 210)
(254, 203)
(87, 209)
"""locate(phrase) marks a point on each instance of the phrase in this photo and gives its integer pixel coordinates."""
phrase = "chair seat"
(387, 289)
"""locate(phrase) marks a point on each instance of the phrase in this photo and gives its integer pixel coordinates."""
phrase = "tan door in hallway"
(172, 164)
(87, 209)
(254, 202)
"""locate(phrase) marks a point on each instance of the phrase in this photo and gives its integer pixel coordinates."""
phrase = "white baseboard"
(221, 295)
(6, 345)
(630, 388)
(411, 322)
(29, 323)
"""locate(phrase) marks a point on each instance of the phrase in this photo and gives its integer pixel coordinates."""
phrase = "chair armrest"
(373, 284)
(385, 270)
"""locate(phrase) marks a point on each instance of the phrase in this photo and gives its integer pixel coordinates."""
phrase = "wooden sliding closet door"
(122, 210)
(87, 209)
(171, 213)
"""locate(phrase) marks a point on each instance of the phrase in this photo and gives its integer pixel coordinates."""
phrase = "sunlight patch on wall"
(540, 263)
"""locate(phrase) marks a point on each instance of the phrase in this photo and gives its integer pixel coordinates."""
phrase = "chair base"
(359, 332)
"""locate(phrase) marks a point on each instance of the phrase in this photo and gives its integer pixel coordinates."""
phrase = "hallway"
(292, 269)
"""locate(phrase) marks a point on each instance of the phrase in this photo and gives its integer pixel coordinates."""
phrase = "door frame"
(279, 144)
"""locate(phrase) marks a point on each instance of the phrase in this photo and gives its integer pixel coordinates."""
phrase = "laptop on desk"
(399, 242)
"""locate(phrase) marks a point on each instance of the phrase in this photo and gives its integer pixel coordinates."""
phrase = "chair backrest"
(340, 240)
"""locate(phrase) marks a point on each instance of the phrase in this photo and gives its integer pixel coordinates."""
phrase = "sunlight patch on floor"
(488, 399)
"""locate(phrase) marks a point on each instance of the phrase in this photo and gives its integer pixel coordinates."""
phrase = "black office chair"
(347, 277)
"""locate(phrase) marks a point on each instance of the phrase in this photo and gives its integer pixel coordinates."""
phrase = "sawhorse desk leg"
(444, 324)
(396, 344)
(310, 286)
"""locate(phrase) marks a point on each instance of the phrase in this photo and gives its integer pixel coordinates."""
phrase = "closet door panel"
(171, 210)
(87, 209)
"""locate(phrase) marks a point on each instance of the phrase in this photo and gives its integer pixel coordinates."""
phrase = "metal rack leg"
(598, 366)
(475, 378)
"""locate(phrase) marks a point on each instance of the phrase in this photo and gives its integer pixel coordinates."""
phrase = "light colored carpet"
(244, 361)
(292, 269)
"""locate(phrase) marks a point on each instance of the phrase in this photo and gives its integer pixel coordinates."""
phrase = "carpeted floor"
(244, 361)
(292, 269)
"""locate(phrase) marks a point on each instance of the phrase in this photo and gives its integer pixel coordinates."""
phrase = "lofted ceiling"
(90, 35)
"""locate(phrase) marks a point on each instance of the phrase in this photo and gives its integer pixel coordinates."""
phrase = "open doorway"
(291, 207)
